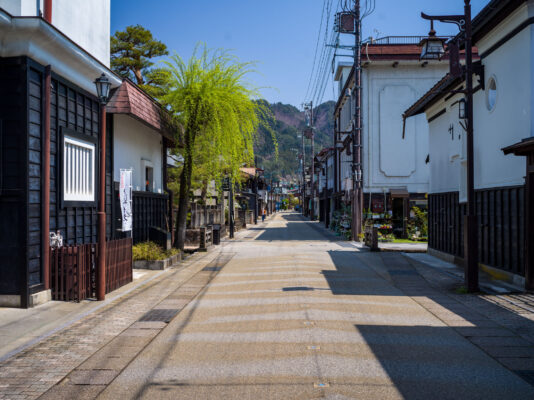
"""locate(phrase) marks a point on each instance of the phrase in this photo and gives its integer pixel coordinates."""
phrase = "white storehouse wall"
(135, 146)
(85, 22)
(390, 161)
(509, 122)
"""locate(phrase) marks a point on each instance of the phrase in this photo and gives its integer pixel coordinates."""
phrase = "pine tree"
(132, 51)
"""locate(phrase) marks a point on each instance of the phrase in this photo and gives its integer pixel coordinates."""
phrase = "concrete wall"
(136, 145)
(86, 22)
(507, 123)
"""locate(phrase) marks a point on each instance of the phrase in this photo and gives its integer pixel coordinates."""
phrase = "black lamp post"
(102, 89)
(433, 48)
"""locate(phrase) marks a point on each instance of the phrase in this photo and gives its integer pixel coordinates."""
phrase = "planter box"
(158, 264)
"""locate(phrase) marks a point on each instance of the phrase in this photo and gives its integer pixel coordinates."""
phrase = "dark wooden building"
(43, 92)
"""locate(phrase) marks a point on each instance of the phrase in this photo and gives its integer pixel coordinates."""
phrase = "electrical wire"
(316, 48)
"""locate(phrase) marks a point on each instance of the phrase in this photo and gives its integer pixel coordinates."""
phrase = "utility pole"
(308, 107)
(433, 49)
(357, 189)
(303, 173)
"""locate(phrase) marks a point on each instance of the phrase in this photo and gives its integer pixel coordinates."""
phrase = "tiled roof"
(435, 93)
(132, 100)
(377, 52)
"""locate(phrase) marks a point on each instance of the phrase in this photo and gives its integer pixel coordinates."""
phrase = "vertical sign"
(125, 196)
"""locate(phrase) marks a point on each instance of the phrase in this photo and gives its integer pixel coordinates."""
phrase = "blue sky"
(280, 35)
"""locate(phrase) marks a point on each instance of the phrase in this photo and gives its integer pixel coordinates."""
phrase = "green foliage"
(150, 251)
(286, 126)
(132, 51)
(210, 98)
(418, 225)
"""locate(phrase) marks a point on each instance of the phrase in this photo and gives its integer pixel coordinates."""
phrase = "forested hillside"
(288, 124)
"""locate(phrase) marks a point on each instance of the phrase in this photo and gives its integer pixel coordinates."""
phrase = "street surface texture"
(286, 311)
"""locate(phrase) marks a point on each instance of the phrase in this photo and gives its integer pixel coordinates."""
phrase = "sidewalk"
(42, 345)
(20, 328)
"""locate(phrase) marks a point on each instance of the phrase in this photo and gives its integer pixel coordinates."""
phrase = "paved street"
(288, 312)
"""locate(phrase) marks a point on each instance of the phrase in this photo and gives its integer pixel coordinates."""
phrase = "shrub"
(150, 251)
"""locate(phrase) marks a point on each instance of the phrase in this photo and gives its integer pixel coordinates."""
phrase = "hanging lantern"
(432, 46)
(102, 88)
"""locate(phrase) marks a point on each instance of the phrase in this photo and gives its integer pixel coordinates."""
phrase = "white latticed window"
(78, 170)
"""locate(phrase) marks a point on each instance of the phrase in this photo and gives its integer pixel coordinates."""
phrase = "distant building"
(395, 173)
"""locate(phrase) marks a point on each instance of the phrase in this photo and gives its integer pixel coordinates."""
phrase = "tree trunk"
(185, 181)
(139, 77)
(183, 207)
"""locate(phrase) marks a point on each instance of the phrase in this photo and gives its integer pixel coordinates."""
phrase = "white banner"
(125, 196)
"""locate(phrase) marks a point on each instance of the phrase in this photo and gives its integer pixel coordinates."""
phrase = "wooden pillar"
(45, 194)
(529, 221)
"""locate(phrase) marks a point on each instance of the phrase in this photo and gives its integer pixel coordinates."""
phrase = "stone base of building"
(13, 300)
(495, 273)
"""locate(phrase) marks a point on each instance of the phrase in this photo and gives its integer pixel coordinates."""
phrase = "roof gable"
(130, 99)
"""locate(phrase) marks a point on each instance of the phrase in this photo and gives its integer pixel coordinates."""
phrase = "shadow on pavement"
(424, 359)
(296, 228)
(427, 362)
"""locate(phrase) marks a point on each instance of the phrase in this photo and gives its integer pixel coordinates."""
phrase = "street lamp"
(432, 46)
(102, 89)
(432, 49)
(103, 85)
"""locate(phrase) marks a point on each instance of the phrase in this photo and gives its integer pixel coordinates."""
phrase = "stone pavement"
(286, 312)
(33, 371)
(20, 328)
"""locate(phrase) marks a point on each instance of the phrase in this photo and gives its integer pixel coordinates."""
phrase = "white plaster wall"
(134, 143)
(330, 171)
(509, 122)
(86, 22)
(446, 150)
(511, 119)
(388, 160)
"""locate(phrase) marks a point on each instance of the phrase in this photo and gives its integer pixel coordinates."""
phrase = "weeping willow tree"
(210, 97)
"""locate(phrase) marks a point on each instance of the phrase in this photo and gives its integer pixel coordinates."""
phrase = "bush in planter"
(150, 251)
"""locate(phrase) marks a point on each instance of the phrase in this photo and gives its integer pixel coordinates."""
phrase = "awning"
(399, 193)
(523, 148)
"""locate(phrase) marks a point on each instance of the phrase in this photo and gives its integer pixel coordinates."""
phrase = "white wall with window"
(78, 172)
(502, 115)
(138, 147)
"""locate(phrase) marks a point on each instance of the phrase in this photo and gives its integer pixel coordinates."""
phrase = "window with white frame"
(78, 170)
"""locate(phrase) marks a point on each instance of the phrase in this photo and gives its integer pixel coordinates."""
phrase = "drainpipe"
(101, 267)
(45, 194)
(48, 11)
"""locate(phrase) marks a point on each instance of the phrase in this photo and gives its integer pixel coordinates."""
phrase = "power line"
(316, 48)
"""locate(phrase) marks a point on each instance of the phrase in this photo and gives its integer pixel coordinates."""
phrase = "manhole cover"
(161, 315)
(296, 288)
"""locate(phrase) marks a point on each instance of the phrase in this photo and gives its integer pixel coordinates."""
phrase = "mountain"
(288, 123)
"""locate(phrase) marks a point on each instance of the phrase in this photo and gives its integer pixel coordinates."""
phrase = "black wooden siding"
(501, 222)
(35, 120)
(74, 109)
(13, 176)
(21, 119)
